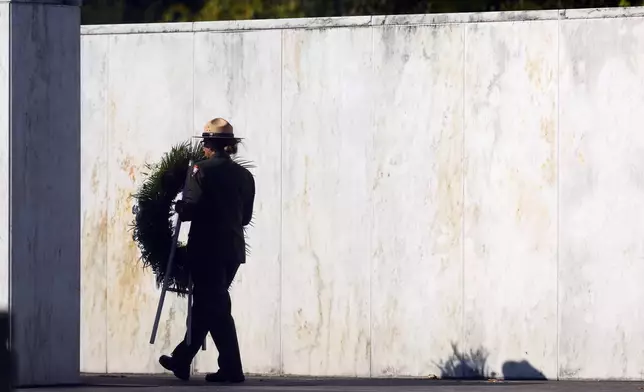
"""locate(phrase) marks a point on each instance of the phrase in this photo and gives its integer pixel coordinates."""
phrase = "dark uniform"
(218, 200)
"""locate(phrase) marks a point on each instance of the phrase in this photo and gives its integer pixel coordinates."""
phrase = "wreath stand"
(165, 287)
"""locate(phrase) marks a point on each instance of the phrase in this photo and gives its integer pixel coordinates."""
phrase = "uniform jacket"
(218, 201)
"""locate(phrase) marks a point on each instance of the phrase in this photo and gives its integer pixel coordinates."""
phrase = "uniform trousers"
(211, 312)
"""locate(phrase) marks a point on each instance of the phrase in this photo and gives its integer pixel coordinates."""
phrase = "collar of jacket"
(220, 155)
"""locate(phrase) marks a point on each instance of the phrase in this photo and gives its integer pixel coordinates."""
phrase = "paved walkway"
(274, 384)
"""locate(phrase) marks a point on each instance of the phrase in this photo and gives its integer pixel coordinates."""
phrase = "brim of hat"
(222, 136)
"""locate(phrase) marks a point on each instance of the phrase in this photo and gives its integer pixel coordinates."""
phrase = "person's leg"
(223, 331)
(183, 354)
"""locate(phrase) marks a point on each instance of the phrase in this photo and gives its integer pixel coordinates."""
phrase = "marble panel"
(601, 199)
(45, 192)
(238, 77)
(510, 274)
(150, 109)
(94, 190)
(416, 289)
(327, 183)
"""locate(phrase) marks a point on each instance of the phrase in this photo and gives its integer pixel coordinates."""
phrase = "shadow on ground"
(459, 369)
(472, 365)
(159, 381)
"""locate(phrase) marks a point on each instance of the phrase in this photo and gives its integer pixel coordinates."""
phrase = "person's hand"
(178, 206)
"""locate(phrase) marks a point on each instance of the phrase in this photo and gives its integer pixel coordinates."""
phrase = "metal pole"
(189, 333)
(175, 237)
(168, 270)
(190, 301)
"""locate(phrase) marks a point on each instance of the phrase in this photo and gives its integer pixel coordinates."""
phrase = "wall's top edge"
(137, 28)
(72, 3)
(364, 21)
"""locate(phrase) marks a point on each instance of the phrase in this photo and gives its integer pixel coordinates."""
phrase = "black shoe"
(223, 378)
(180, 372)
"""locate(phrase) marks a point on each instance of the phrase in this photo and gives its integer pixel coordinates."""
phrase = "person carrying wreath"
(218, 200)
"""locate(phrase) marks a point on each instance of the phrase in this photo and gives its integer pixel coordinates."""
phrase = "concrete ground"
(265, 384)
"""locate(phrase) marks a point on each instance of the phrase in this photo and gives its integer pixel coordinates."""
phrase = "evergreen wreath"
(152, 227)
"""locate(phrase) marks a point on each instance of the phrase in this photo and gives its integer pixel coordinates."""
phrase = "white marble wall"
(417, 192)
(327, 118)
(510, 232)
(149, 86)
(95, 218)
(434, 191)
(601, 198)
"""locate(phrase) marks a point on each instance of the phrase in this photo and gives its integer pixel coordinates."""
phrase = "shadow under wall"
(472, 365)
(6, 373)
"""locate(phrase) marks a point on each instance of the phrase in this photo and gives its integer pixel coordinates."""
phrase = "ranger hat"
(217, 128)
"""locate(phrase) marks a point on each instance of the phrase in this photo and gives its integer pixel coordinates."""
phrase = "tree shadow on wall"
(466, 365)
(472, 365)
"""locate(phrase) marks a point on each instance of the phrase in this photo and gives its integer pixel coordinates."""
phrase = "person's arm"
(248, 203)
(192, 192)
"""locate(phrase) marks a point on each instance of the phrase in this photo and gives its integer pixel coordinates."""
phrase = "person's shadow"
(513, 370)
